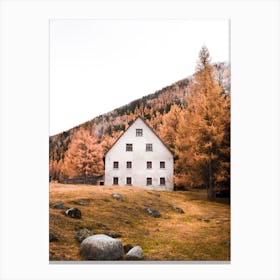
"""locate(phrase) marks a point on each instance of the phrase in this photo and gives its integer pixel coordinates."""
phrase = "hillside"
(201, 233)
(152, 108)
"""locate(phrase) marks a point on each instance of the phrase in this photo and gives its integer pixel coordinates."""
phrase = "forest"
(191, 116)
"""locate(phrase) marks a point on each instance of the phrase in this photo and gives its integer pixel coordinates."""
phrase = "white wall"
(139, 158)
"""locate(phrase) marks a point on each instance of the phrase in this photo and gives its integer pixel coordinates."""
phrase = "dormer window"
(139, 132)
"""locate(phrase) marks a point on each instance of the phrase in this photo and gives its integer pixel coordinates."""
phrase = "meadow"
(201, 233)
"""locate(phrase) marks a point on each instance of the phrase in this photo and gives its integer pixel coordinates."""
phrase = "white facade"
(149, 164)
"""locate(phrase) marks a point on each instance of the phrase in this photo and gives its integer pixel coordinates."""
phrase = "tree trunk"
(211, 193)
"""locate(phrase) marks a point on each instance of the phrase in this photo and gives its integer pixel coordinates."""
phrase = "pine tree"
(203, 135)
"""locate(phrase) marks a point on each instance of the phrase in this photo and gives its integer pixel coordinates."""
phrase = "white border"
(24, 137)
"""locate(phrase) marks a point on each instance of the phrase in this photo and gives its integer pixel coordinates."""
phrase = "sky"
(99, 65)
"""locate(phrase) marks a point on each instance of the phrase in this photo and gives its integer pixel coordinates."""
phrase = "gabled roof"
(139, 117)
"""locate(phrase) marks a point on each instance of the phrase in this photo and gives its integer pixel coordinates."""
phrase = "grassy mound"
(202, 232)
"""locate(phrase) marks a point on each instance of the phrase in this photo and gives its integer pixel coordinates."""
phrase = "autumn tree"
(203, 136)
(169, 128)
(84, 156)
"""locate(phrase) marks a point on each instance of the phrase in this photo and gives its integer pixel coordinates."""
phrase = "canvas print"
(139, 146)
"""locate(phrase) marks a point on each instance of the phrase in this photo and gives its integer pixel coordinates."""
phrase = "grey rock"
(82, 202)
(74, 213)
(57, 205)
(177, 209)
(152, 212)
(82, 234)
(52, 237)
(101, 247)
(136, 253)
(117, 196)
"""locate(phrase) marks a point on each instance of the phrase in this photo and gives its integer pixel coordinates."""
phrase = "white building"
(139, 158)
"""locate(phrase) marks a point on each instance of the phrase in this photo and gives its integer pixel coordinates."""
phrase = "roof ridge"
(142, 119)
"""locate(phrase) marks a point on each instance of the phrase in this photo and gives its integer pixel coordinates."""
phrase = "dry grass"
(201, 233)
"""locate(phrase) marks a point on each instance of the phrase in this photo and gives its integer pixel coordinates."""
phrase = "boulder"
(152, 212)
(74, 213)
(82, 234)
(117, 196)
(177, 209)
(101, 247)
(136, 253)
(52, 237)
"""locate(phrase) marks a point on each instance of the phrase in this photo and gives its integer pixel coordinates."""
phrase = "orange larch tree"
(169, 129)
(203, 137)
(84, 156)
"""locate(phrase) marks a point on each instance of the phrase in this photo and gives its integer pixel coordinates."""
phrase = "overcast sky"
(99, 65)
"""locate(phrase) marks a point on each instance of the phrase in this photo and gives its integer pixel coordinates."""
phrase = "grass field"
(201, 233)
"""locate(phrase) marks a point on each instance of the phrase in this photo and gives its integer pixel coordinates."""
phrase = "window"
(149, 181)
(139, 132)
(162, 181)
(162, 164)
(129, 147)
(149, 164)
(149, 147)
(116, 164)
(128, 180)
(128, 164)
(115, 181)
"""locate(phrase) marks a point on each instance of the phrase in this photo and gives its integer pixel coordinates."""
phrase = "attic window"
(149, 147)
(116, 164)
(162, 164)
(139, 132)
(129, 147)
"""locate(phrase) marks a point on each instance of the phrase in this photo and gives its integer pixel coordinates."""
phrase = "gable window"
(162, 181)
(149, 181)
(139, 132)
(149, 164)
(116, 164)
(149, 147)
(129, 147)
(128, 180)
(162, 164)
(128, 164)
(115, 181)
